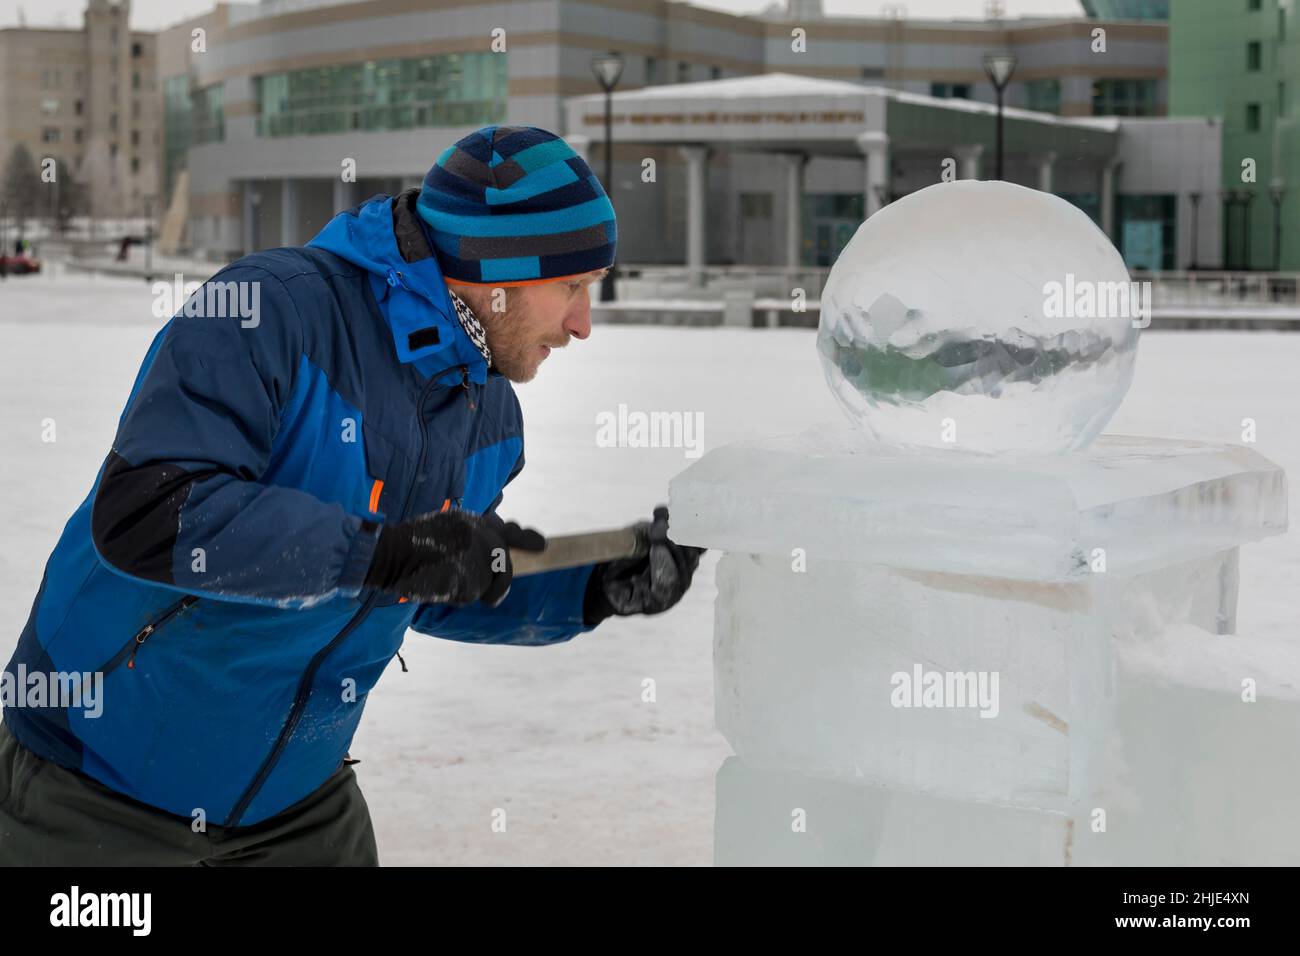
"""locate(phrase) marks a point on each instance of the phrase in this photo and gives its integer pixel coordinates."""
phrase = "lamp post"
(1196, 235)
(148, 237)
(1276, 192)
(608, 69)
(1247, 197)
(999, 67)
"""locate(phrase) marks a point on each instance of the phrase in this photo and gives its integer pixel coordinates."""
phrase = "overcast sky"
(154, 14)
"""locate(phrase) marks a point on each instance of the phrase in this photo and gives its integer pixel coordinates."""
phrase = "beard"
(515, 345)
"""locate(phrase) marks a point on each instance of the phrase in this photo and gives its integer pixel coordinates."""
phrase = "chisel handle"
(575, 550)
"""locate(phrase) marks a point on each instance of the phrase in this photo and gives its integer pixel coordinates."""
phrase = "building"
(1240, 60)
(88, 98)
(286, 95)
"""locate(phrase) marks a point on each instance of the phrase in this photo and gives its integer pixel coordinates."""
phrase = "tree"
(22, 185)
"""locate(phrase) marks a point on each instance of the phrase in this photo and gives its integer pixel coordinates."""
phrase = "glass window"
(1252, 117)
(1124, 98)
(399, 93)
(1253, 55)
(1043, 96)
(950, 91)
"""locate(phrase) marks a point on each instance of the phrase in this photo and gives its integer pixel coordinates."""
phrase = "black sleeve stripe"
(135, 518)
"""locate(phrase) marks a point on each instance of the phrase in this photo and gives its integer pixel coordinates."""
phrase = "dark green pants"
(51, 816)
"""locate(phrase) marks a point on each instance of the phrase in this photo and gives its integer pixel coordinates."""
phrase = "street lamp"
(1196, 235)
(999, 67)
(148, 237)
(1276, 192)
(608, 69)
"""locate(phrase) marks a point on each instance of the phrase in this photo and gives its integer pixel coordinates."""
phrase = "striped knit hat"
(514, 205)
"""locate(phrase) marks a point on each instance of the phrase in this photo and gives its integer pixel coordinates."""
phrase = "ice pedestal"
(1061, 610)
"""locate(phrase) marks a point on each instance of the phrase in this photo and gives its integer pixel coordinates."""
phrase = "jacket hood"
(385, 236)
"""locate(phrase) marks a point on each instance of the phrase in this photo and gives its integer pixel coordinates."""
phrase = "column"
(288, 212)
(795, 163)
(1109, 173)
(1046, 163)
(345, 195)
(875, 147)
(968, 160)
(249, 224)
(696, 158)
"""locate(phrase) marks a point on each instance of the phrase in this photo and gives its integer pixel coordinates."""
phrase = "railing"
(1168, 289)
(1211, 289)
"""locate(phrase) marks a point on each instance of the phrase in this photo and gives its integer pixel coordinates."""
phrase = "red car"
(19, 265)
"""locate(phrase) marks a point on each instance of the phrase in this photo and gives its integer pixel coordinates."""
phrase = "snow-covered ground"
(559, 737)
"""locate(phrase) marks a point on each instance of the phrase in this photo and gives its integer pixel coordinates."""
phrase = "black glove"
(649, 584)
(451, 557)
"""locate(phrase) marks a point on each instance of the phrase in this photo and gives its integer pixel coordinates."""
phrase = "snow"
(559, 736)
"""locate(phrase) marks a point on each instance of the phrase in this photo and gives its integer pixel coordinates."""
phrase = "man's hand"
(649, 584)
(451, 557)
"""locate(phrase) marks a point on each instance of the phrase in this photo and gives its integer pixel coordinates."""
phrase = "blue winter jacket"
(214, 574)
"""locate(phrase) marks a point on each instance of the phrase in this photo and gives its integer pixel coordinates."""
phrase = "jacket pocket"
(129, 650)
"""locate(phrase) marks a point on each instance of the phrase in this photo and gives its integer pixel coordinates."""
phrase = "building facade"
(88, 98)
(1239, 60)
(284, 100)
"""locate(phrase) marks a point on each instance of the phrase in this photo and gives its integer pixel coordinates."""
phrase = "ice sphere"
(979, 316)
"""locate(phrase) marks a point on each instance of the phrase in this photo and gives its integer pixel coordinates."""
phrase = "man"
(294, 483)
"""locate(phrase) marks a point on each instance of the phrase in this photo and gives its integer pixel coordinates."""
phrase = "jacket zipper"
(309, 675)
(128, 652)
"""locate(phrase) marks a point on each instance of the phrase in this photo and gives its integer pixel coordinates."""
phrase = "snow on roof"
(742, 87)
(774, 85)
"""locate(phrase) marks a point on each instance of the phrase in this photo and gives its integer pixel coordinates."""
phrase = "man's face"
(536, 319)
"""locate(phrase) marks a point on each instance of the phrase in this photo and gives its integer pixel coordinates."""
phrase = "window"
(683, 72)
(135, 165)
(135, 137)
(135, 109)
(1124, 98)
(651, 71)
(1252, 5)
(135, 80)
(453, 89)
(872, 73)
(112, 122)
(1043, 96)
(1253, 56)
(1252, 117)
(137, 50)
(1145, 228)
(950, 91)
(76, 135)
(49, 106)
(77, 107)
(715, 72)
(49, 134)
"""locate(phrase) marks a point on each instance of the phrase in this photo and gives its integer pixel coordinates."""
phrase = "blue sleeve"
(178, 501)
(540, 608)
